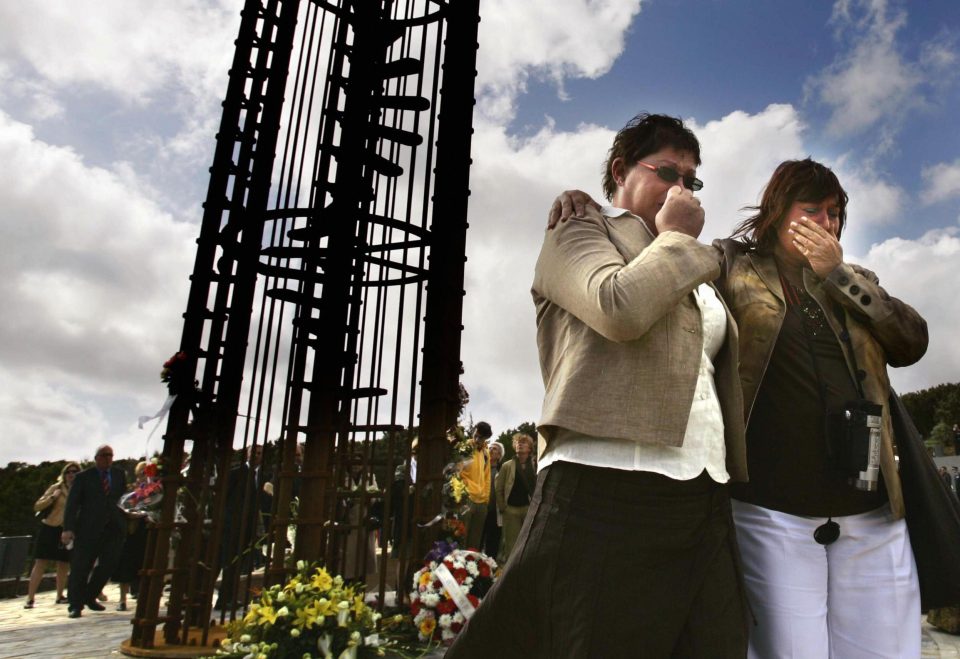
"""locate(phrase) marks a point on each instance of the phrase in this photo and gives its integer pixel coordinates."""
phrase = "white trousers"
(858, 597)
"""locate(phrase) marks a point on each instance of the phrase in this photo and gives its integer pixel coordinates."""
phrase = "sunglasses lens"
(693, 183)
(668, 174)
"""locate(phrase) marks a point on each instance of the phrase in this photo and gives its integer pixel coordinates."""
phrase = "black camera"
(853, 443)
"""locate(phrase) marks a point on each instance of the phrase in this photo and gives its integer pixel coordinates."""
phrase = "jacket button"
(861, 374)
(865, 300)
(854, 289)
(844, 336)
(843, 280)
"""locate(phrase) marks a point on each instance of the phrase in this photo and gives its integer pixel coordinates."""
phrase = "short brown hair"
(643, 135)
(792, 180)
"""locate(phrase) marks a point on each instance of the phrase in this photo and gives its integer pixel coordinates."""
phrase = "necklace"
(814, 320)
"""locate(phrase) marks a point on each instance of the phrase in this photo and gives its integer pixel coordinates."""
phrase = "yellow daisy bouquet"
(313, 615)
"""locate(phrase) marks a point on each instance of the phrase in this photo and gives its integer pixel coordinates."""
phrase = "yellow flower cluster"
(458, 488)
(304, 616)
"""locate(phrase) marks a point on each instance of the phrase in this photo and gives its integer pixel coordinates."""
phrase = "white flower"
(283, 612)
(446, 634)
(445, 620)
(245, 638)
(373, 640)
(472, 568)
(458, 617)
(430, 599)
(294, 632)
(281, 596)
(301, 565)
(299, 588)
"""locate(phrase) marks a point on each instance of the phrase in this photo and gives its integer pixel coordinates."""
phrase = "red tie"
(105, 479)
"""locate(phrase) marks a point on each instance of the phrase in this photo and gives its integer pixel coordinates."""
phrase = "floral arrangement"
(176, 374)
(454, 490)
(448, 589)
(314, 614)
(146, 496)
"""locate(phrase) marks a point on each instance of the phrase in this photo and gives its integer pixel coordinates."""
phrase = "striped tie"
(105, 479)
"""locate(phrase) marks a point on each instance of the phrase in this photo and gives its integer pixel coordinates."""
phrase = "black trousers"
(613, 563)
(103, 549)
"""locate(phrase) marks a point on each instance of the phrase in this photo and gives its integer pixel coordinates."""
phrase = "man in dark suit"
(96, 526)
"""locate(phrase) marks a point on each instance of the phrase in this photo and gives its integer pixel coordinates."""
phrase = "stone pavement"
(45, 632)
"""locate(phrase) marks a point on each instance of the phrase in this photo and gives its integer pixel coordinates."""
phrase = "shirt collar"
(613, 211)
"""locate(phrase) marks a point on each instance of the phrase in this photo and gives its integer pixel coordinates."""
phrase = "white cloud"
(942, 182)
(150, 45)
(43, 422)
(93, 284)
(874, 81)
(546, 38)
(922, 273)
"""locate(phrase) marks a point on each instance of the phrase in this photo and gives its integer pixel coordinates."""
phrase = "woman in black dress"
(53, 502)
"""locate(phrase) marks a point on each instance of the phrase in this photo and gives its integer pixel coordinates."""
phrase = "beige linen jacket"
(881, 329)
(620, 334)
(57, 494)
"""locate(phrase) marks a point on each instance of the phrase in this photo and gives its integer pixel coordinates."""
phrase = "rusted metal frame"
(330, 400)
(267, 92)
(403, 536)
(195, 317)
(441, 352)
(315, 468)
(283, 494)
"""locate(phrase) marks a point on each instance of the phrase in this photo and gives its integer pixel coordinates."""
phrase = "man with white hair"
(94, 524)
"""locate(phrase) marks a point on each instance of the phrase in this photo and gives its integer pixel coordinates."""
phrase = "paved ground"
(46, 632)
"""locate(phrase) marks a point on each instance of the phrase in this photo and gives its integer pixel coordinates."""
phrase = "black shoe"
(122, 606)
(94, 605)
(62, 600)
(73, 613)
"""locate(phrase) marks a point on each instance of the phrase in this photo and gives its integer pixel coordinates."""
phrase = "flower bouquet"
(314, 614)
(144, 500)
(448, 589)
(176, 374)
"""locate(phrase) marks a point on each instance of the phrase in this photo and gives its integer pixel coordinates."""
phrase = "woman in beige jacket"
(49, 549)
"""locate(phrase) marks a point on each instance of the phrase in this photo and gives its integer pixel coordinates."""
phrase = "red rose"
(446, 606)
(474, 600)
(415, 608)
(484, 569)
(150, 471)
(455, 627)
(460, 574)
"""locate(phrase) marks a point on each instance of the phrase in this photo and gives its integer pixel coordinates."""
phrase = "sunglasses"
(670, 175)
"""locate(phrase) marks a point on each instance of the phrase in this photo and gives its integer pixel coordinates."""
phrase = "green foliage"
(928, 407)
(942, 434)
(20, 486)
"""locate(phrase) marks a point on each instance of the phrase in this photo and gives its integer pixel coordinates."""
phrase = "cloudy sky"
(108, 110)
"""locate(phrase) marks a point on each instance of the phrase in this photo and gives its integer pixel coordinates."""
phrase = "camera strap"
(811, 315)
